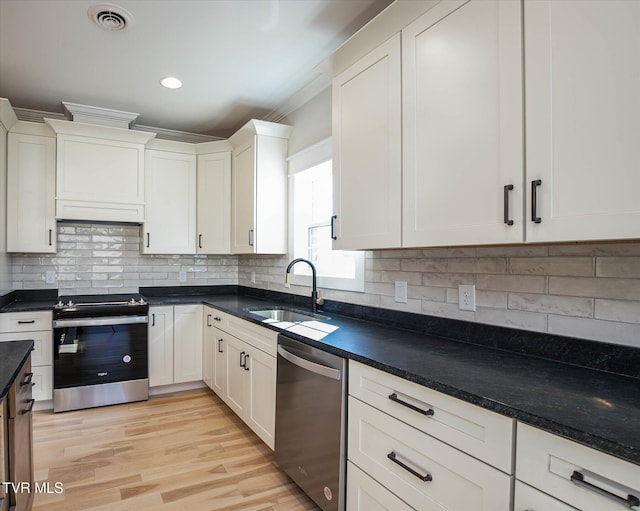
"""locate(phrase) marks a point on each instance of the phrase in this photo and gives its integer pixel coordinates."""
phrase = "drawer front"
(20, 398)
(483, 434)
(457, 482)
(43, 379)
(213, 317)
(25, 321)
(42, 353)
(365, 494)
(257, 336)
(530, 499)
(547, 462)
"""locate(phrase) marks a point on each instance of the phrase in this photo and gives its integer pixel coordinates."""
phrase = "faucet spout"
(314, 290)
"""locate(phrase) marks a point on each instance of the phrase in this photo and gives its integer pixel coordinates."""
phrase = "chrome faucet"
(316, 298)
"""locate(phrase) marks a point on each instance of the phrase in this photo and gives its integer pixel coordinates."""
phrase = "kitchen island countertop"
(12, 355)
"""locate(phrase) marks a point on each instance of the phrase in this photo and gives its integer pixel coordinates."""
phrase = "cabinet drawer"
(481, 433)
(25, 321)
(378, 444)
(43, 383)
(530, 499)
(547, 462)
(366, 494)
(42, 353)
(257, 336)
(213, 317)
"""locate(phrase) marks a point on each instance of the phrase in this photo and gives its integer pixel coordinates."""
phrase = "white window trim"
(309, 157)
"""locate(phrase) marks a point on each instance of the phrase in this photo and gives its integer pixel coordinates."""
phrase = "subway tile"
(572, 266)
(106, 268)
(513, 251)
(396, 254)
(447, 279)
(449, 252)
(392, 276)
(379, 288)
(595, 329)
(514, 283)
(552, 304)
(603, 249)
(388, 302)
(617, 310)
(477, 265)
(624, 267)
(595, 287)
(446, 310)
(512, 318)
(424, 265)
(382, 264)
(491, 299)
(430, 293)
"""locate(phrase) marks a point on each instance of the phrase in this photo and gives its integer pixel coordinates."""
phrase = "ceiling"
(237, 59)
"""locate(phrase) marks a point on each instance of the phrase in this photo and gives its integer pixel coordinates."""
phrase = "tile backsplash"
(590, 291)
(106, 258)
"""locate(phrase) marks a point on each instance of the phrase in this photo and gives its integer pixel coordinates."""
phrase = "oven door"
(90, 351)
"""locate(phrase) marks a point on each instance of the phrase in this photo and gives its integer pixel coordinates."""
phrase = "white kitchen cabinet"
(214, 366)
(367, 151)
(170, 196)
(187, 343)
(37, 326)
(160, 345)
(581, 477)
(582, 69)
(236, 384)
(527, 498)
(214, 203)
(462, 125)
(366, 494)
(259, 188)
(31, 189)
(99, 172)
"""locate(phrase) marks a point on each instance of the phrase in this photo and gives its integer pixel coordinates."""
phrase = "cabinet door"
(366, 120)
(527, 498)
(208, 340)
(235, 393)
(160, 346)
(462, 125)
(366, 494)
(582, 109)
(31, 175)
(261, 394)
(243, 199)
(219, 376)
(187, 343)
(170, 195)
(214, 203)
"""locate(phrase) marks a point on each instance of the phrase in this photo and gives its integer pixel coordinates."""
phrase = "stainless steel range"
(100, 351)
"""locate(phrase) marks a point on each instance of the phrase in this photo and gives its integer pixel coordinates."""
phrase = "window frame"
(305, 159)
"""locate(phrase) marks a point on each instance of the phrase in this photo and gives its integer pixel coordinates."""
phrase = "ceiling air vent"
(110, 17)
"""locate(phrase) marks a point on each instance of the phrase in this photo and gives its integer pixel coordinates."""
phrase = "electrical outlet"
(467, 297)
(182, 276)
(401, 291)
(50, 277)
(253, 277)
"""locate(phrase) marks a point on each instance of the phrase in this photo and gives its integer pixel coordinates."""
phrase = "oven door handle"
(109, 321)
(314, 367)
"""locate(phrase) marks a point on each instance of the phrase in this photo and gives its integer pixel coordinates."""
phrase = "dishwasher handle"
(314, 367)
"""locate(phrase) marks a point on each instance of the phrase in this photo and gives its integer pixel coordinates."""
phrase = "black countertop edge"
(187, 291)
(12, 355)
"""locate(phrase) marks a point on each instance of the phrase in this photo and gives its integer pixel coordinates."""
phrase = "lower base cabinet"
(366, 494)
(530, 499)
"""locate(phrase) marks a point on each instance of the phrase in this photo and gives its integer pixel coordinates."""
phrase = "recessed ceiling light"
(171, 82)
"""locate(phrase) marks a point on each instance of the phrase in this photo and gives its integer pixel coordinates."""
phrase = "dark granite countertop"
(28, 300)
(493, 368)
(593, 407)
(12, 355)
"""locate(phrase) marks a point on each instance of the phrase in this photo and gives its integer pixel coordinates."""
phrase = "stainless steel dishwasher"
(310, 408)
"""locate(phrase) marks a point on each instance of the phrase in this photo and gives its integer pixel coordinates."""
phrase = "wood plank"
(185, 450)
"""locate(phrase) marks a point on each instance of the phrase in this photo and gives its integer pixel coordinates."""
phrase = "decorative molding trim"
(99, 131)
(258, 127)
(102, 116)
(178, 136)
(25, 114)
(7, 115)
(319, 83)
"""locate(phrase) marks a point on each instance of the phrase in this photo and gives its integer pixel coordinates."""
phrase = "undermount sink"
(280, 314)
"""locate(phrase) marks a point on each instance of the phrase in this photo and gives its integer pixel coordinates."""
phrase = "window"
(311, 207)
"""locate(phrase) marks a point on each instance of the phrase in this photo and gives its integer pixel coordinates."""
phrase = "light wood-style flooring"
(185, 451)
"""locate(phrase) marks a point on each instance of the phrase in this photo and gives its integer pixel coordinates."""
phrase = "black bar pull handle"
(50, 237)
(251, 237)
(630, 501)
(28, 408)
(209, 320)
(153, 320)
(534, 201)
(246, 358)
(333, 234)
(148, 239)
(199, 240)
(27, 379)
(394, 397)
(425, 478)
(220, 346)
(507, 189)
(30, 322)
(242, 359)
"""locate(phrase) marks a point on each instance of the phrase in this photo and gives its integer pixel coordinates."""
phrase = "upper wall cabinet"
(31, 174)
(462, 125)
(100, 172)
(213, 199)
(582, 131)
(367, 151)
(259, 188)
(170, 197)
